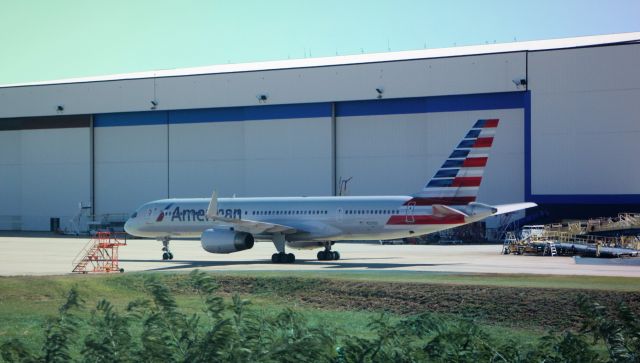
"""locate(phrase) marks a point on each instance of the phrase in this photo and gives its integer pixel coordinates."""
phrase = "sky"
(46, 40)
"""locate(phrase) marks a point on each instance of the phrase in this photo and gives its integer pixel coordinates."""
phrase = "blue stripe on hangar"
(251, 113)
(131, 119)
(488, 101)
(473, 102)
(222, 114)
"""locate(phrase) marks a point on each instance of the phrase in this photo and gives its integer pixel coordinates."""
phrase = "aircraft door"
(149, 214)
(339, 215)
(409, 213)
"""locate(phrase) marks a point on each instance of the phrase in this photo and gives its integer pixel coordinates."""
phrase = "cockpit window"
(135, 214)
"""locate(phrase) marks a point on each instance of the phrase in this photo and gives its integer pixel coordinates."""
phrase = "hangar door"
(393, 147)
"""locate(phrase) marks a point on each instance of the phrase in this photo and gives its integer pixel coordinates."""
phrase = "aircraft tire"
(170, 255)
(165, 256)
(275, 258)
(291, 258)
(335, 255)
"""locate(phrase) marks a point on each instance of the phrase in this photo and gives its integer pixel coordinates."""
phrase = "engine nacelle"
(225, 241)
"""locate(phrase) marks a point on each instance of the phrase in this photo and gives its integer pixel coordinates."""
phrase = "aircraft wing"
(245, 225)
(508, 208)
(255, 227)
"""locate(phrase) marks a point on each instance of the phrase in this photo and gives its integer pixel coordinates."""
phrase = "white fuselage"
(315, 218)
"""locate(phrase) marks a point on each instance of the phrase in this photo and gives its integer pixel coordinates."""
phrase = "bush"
(155, 329)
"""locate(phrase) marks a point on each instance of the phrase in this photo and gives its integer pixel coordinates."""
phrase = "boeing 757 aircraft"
(226, 225)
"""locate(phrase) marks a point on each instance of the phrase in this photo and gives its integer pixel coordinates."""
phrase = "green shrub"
(155, 329)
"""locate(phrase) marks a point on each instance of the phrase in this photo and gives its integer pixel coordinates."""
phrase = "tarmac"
(48, 254)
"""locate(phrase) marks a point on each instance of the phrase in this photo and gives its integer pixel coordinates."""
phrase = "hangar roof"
(535, 45)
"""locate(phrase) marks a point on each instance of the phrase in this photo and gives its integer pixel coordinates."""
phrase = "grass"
(26, 302)
(606, 283)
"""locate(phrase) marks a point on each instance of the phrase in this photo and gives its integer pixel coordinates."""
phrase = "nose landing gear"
(166, 254)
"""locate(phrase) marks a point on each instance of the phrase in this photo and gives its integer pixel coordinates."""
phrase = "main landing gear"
(166, 254)
(281, 256)
(327, 254)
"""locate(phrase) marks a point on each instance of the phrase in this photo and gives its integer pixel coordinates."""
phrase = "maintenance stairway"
(100, 254)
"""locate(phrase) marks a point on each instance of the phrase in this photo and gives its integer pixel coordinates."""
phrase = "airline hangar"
(568, 135)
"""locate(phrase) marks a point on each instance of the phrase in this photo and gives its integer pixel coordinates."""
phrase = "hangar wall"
(403, 151)
(130, 165)
(44, 172)
(266, 151)
(399, 79)
(388, 146)
(567, 137)
(251, 158)
(585, 122)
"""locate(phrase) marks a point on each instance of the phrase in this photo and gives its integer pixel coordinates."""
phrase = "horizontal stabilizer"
(440, 210)
(514, 207)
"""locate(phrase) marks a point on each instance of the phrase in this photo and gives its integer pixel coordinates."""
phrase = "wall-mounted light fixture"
(154, 104)
(60, 108)
(262, 98)
(380, 91)
(522, 82)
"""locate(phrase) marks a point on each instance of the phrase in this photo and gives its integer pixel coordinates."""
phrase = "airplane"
(226, 225)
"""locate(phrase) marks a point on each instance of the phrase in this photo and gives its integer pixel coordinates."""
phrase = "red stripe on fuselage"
(440, 200)
(474, 162)
(467, 181)
(426, 219)
(483, 142)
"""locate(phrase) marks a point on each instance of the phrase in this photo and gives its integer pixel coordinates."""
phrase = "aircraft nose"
(128, 226)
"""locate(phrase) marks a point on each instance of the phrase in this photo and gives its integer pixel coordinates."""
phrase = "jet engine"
(225, 241)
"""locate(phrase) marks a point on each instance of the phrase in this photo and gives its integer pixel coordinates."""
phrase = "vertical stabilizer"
(458, 180)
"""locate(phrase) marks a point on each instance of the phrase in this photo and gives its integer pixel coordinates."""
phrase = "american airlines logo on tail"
(458, 180)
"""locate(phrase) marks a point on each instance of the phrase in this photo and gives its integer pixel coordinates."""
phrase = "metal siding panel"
(398, 154)
(251, 158)
(10, 179)
(54, 175)
(584, 121)
(401, 79)
(130, 167)
(78, 98)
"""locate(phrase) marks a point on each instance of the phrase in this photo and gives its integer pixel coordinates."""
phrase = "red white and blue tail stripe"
(458, 180)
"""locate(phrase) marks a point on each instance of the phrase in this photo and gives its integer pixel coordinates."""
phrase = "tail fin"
(458, 180)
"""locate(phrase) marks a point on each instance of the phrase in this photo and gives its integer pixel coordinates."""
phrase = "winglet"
(212, 210)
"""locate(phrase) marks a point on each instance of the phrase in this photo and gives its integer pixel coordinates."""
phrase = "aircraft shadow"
(177, 265)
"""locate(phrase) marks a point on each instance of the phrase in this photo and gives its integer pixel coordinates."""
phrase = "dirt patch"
(540, 308)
